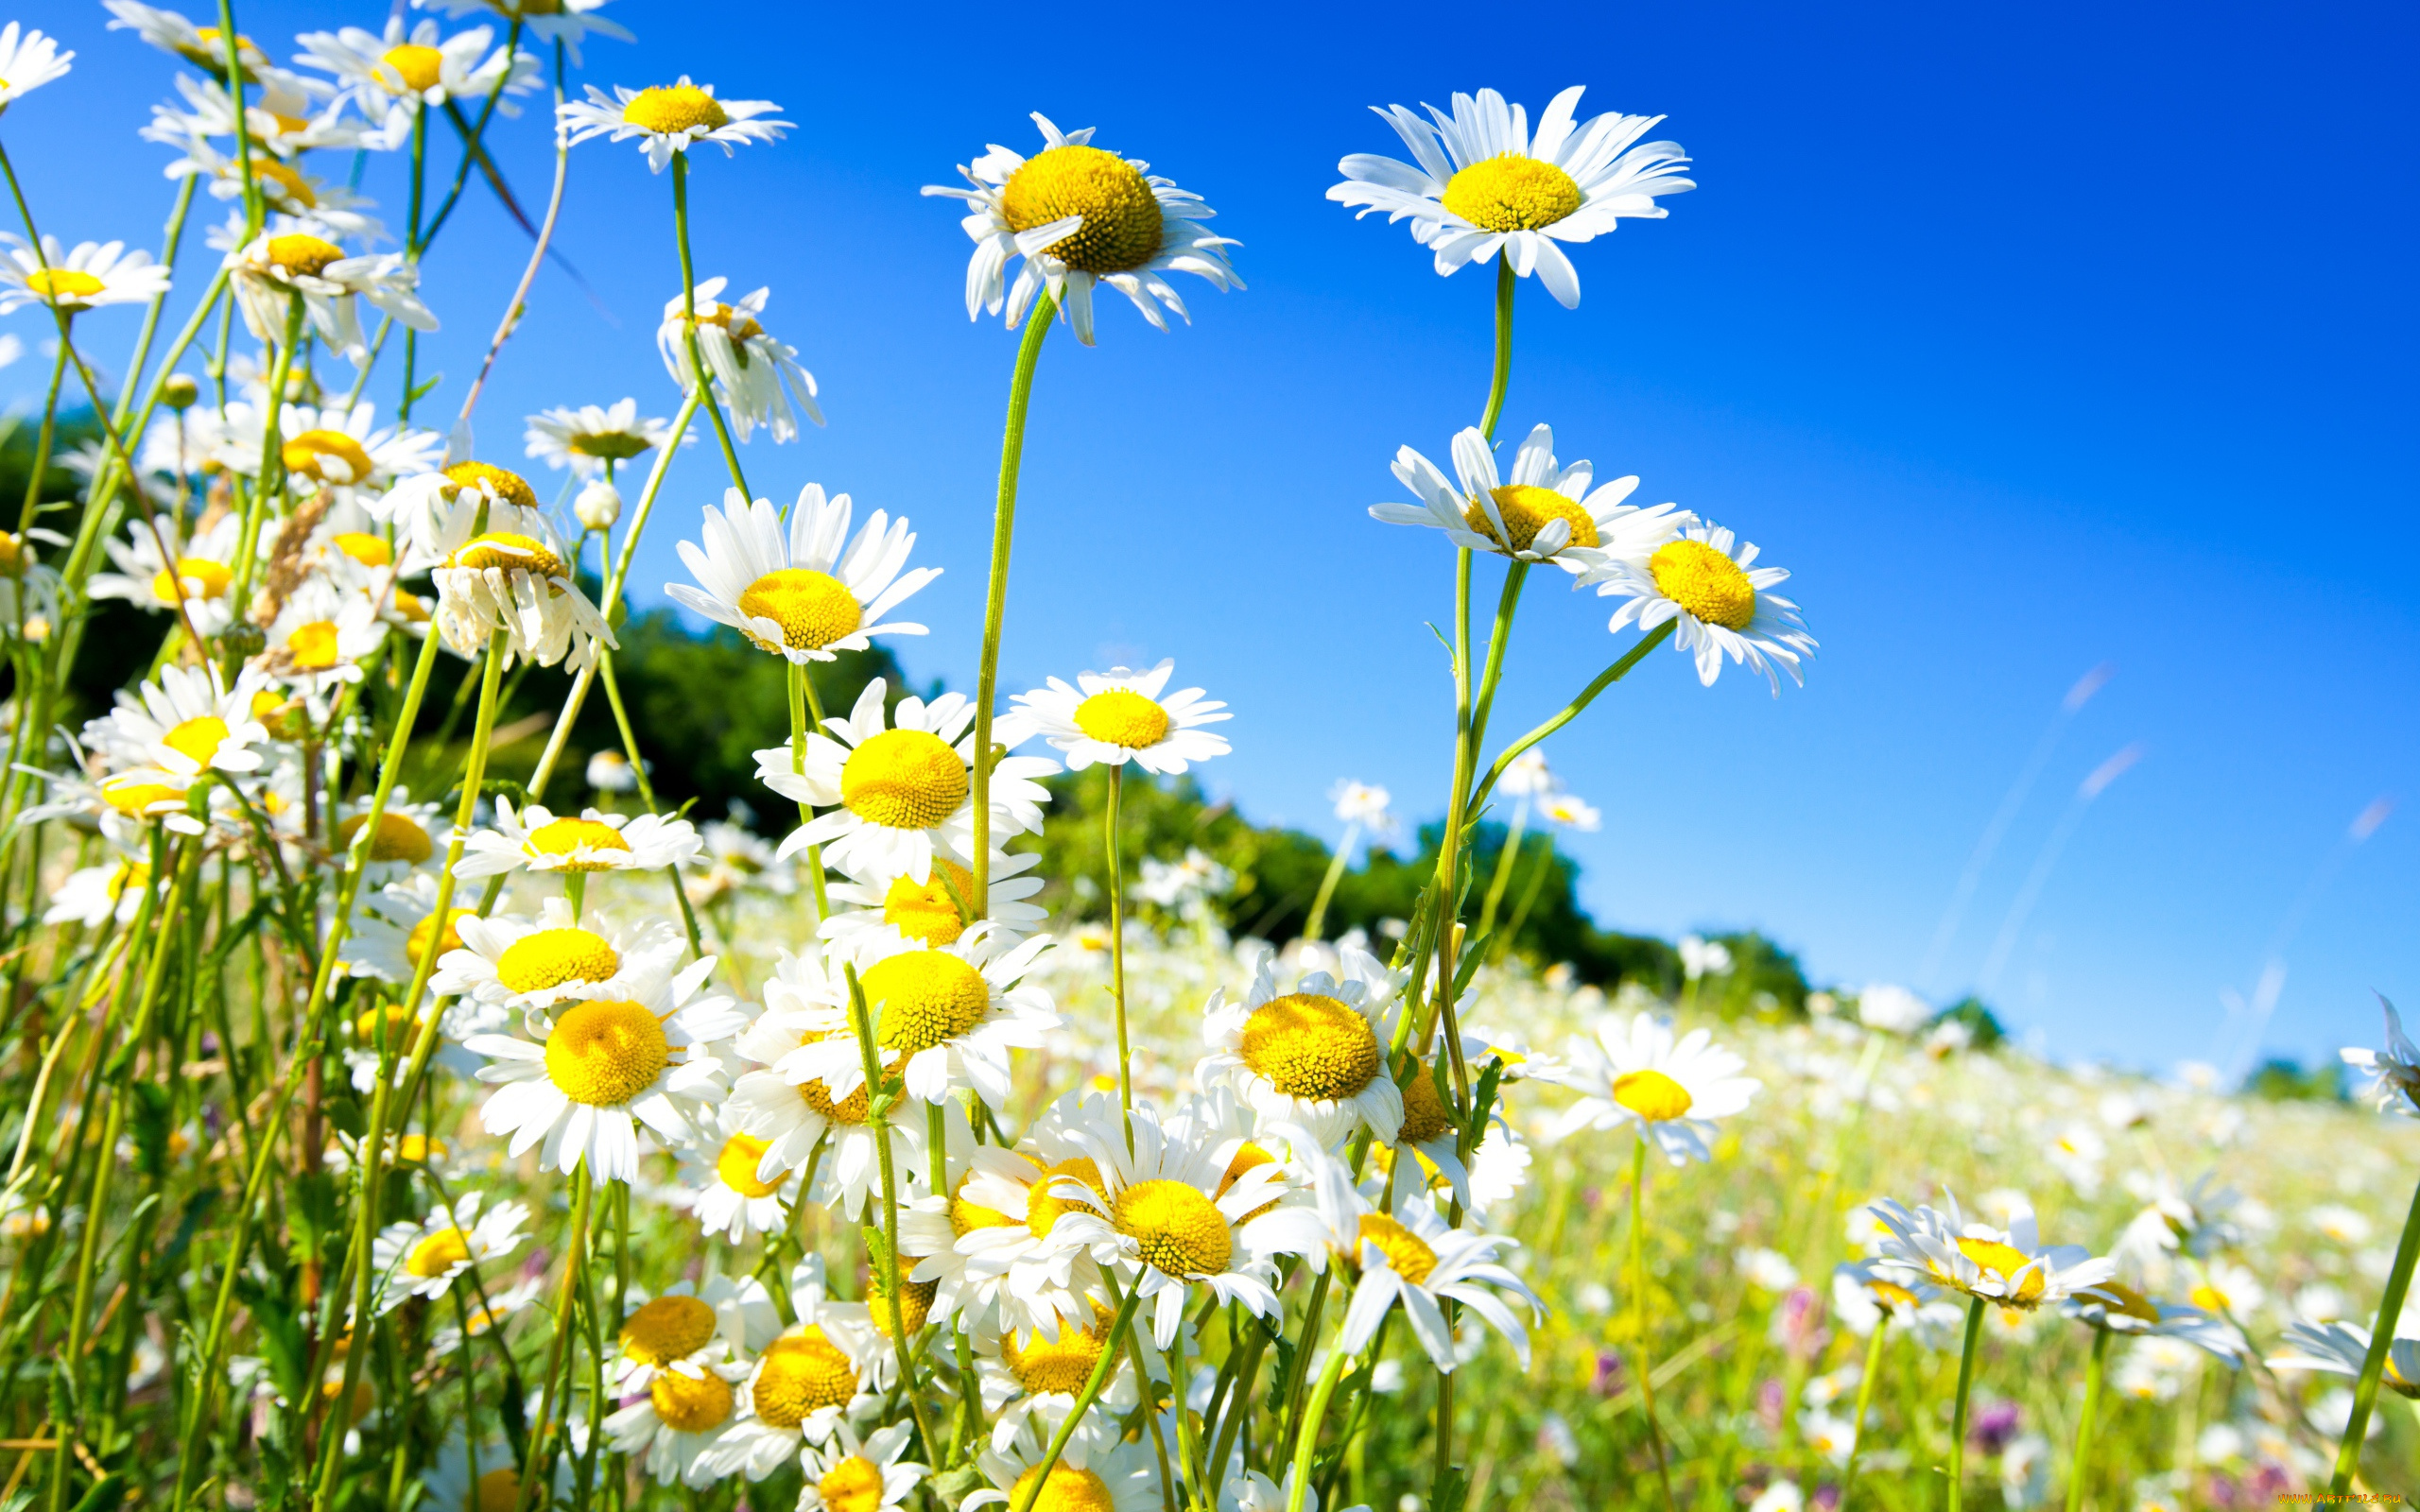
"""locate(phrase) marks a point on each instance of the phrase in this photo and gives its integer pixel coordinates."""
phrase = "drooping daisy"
(1410, 1256)
(394, 74)
(850, 1474)
(667, 118)
(521, 584)
(2396, 1069)
(203, 571)
(757, 373)
(535, 839)
(2344, 1349)
(1721, 598)
(587, 439)
(1117, 716)
(725, 1194)
(271, 270)
(901, 791)
(688, 1328)
(595, 1069)
(423, 1259)
(320, 636)
(94, 274)
(1098, 1471)
(676, 1425)
(1480, 181)
(183, 723)
(568, 22)
(521, 964)
(881, 912)
(2115, 1308)
(2010, 1268)
(28, 60)
(1546, 513)
(1174, 1219)
(806, 591)
(1314, 1057)
(1675, 1090)
(1080, 215)
(436, 514)
(201, 46)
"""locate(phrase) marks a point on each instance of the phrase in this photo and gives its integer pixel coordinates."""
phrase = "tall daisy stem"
(1102, 1369)
(1118, 943)
(1864, 1400)
(1639, 1356)
(1503, 376)
(1317, 921)
(2365, 1392)
(1004, 525)
(584, 1188)
(1958, 1413)
(2079, 1467)
(878, 1110)
(804, 708)
(689, 321)
(1307, 1436)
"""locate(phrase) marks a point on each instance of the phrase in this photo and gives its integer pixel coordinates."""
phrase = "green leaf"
(1450, 1490)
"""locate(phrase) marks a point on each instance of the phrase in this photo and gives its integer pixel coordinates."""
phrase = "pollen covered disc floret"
(1120, 216)
(1311, 1045)
(904, 779)
(605, 1053)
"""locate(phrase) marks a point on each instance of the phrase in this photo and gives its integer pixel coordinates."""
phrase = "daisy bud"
(598, 505)
(180, 391)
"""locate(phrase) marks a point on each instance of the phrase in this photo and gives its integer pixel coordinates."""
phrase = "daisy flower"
(943, 1018)
(1479, 181)
(201, 46)
(2121, 1309)
(850, 1474)
(1546, 513)
(278, 118)
(1411, 1258)
(28, 60)
(393, 74)
(758, 373)
(724, 1191)
(409, 834)
(344, 448)
(534, 839)
(203, 571)
(595, 1069)
(587, 440)
(183, 723)
(667, 118)
(436, 514)
(1034, 1377)
(1571, 812)
(272, 271)
(2396, 1068)
(1118, 716)
(1098, 1471)
(805, 1381)
(397, 928)
(1719, 595)
(2010, 1268)
(2344, 1349)
(423, 1259)
(298, 201)
(94, 274)
(1675, 1090)
(901, 793)
(1429, 1134)
(872, 917)
(688, 1328)
(1175, 1220)
(320, 636)
(1314, 1057)
(484, 1480)
(518, 964)
(568, 22)
(1080, 215)
(91, 895)
(501, 1309)
(676, 1426)
(992, 1248)
(521, 584)
(807, 590)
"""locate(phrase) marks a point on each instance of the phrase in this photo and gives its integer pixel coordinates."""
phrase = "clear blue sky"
(2028, 338)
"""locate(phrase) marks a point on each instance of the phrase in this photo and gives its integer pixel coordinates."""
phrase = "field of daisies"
(490, 1145)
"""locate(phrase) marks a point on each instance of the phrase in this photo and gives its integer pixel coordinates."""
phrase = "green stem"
(878, 1106)
(576, 1245)
(1313, 925)
(1503, 375)
(1307, 1434)
(806, 712)
(1540, 870)
(1118, 943)
(1958, 1413)
(271, 480)
(2365, 1393)
(1639, 1313)
(1504, 859)
(1004, 524)
(1864, 1400)
(1177, 1386)
(2079, 1467)
(1102, 1368)
(689, 321)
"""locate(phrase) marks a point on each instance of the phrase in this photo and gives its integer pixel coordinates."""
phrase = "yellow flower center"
(399, 837)
(672, 108)
(510, 552)
(301, 252)
(2129, 1303)
(1068, 1489)
(417, 945)
(313, 646)
(855, 1485)
(504, 483)
(566, 836)
(63, 285)
(418, 1148)
(692, 1404)
(283, 184)
(737, 323)
(411, 606)
(367, 549)
(2004, 1260)
(855, 1109)
(922, 998)
(499, 1491)
(1424, 1115)
(549, 958)
(802, 1372)
(396, 1018)
(1121, 230)
(1176, 1230)
(668, 1329)
(736, 1166)
(2206, 1297)
(925, 911)
(214, 578)
(419, 67)
(1406, 1252)
(1118, 717)
(813, 609)
(129, 874)
(1512, 192)
(604, 1052)
(1062, 1365)
(1526, 509)
(1652, 1095)
(616, 446)
(915, 1303)
(132, 795)
(12, 553)
(1042, 1209)
(1890, 1295)
(904, 779)
(331, 457)
(199, 739)
(1705, 582)
(438, 1253)
(1311, 1046)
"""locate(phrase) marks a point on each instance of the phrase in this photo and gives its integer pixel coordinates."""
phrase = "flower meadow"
(508, 1144)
